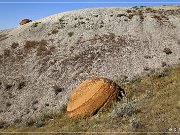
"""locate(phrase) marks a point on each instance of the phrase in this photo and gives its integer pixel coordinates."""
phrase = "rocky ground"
(42, 61)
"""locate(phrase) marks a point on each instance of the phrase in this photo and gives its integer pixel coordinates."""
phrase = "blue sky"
(11, 13)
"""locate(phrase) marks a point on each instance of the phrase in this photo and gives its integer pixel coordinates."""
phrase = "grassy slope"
(157, 108)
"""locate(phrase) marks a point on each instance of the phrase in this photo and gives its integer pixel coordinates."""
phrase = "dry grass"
(40, 46)
(156, 110)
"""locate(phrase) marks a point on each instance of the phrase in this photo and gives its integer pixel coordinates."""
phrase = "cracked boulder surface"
(92, 95)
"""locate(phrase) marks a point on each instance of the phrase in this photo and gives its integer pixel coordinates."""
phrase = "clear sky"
(11, 13)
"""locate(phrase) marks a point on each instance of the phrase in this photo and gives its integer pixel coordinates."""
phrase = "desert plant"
(164, 64)
(167, 50)
(57, 89)
(130, 16)
(146, 68)
(120, 15)
(14, 45)
(35, 24)
(8, 86)
(55, 31)
(128, 108)
(18, 121)
(29, 122)
(3, 124)
(128, 11)
(71, 34)
(147, 57)
(8, 104)
(21, 85)
(7, 53)
(134, 123)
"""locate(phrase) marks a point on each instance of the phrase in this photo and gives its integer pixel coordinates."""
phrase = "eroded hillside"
(42, 61)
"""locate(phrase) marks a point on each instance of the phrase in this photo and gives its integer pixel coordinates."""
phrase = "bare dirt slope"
(42, 61)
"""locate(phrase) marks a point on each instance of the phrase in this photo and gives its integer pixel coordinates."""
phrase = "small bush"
(8, 104)
(167, 51)
(55, 31)
(34, 102)
(149, 9)
(35, 24)
(18, 121)
(8, 86)
(158, 73)
(57, 89)
(95, 15)
(157, 17)
(39, 123)
(120, 15)
(21, 85)
(164, 64)
(14, 45)
(40, 46)
(134, 123)
(7, 53)
(29, 45)
(147, 57)
(128, 11)
(146, 68)
(130, 16)
(3, 124)
(71, 34)
(29, 122)
(128, 108)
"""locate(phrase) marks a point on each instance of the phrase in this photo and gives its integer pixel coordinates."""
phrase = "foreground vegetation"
(151, 104)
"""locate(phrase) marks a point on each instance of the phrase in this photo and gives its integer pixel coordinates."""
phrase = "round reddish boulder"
(92, 95)
(24, 21)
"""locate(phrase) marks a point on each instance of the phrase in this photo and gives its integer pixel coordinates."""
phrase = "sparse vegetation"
(35, 24)
(120, 15)
(134, 113)
(129, 11)
(57, 89)
(40, 46)
(7, 53)
(71, 34)
(167, 50)
(55, 31)
(164, 64)
(128, 108)
(14, 45)
(3, 124)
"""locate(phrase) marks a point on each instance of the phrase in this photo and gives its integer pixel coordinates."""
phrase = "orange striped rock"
(91, 95)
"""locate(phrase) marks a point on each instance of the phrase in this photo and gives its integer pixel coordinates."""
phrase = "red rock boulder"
(92, 95)
(24, 21)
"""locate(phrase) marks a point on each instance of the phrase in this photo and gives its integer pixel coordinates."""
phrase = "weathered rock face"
(24, 21)
(92, 95)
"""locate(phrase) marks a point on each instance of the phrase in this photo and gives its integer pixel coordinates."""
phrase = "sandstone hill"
(42, 61)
